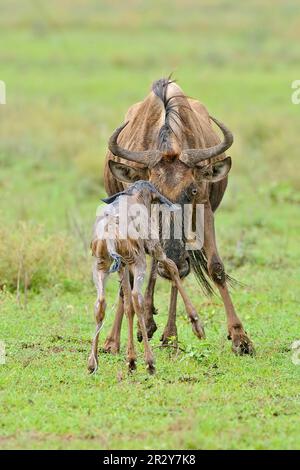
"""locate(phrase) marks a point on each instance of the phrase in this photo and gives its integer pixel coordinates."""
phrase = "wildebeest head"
(180, 174)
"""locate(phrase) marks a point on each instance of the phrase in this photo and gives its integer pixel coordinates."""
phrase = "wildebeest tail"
(117, 259)
(199, 265)
(116, 262)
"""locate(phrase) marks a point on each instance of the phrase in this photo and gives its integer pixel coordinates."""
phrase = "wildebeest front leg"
(241, 344)
(150, 310)
(170, 331)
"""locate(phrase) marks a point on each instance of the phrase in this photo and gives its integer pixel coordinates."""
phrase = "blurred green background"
(72, 69)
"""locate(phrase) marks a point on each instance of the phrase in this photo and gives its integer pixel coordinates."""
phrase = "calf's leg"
(112, 342)
(139, 270)
(129, 312)
(158, 253)
(197, 326)
(100, 306)
(150, 310)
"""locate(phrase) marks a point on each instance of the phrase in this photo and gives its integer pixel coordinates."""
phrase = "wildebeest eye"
(194, 191)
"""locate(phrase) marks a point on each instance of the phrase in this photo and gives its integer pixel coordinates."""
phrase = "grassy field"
(71, 70)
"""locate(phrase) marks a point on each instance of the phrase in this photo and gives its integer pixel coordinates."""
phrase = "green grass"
(71, 72)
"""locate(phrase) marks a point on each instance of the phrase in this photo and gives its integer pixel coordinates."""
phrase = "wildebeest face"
(173, 178)
(182, 185)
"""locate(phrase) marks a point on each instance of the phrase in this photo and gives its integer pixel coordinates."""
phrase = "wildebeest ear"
(216, 171)
(126, 173)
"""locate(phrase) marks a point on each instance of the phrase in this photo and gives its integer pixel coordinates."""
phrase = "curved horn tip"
(116, 132)
(113, 140)
(143, 157)
(222, 126)
(193, 156)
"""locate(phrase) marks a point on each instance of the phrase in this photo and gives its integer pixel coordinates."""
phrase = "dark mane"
(160, 88)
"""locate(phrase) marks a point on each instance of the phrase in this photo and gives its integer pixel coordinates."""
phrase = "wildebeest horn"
(193, 156)
(146, 157)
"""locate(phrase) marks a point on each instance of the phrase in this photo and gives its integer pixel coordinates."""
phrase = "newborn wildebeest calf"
(115, 251)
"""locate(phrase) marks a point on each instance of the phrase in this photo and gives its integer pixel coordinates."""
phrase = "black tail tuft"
(116, 262)
(233, 282)
(199, 266)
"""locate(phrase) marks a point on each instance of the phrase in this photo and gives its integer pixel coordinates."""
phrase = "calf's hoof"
(92, 364)
(111, 346)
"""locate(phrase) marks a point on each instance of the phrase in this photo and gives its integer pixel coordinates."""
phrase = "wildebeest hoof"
(111, 346)
(151, 368)
(242, 345)
(92, 364)
(151, 328)
(131, 365)
(169, 337)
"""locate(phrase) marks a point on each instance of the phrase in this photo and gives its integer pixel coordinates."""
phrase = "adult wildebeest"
(168, 139)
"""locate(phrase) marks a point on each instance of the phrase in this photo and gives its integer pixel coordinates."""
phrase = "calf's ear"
(216, 171)
(110, 199)
(126, 173)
